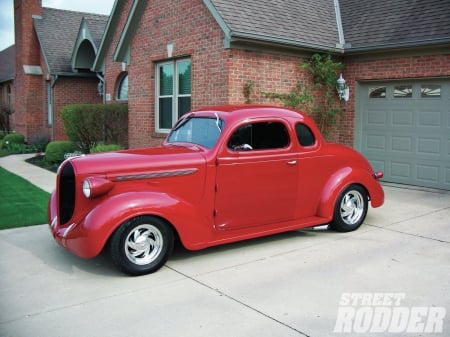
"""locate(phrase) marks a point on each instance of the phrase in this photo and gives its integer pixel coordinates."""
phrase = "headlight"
(96, 186)
(86, 188)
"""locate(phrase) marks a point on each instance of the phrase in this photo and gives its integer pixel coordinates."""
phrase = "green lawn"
(21, 203)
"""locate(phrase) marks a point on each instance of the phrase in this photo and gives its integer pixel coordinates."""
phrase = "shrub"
(90, 124)
(15, 138)
(55, 151)
(105, 148)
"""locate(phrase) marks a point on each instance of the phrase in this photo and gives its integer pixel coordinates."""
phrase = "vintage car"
(223, 174)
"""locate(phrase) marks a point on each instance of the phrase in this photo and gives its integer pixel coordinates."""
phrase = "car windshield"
(203, 131)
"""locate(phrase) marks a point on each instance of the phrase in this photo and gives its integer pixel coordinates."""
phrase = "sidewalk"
(40, 177)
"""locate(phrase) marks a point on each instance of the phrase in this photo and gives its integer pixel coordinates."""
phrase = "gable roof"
(7, 64)
(300, 23)
(394, 23)
(335, 26)
(57, 31)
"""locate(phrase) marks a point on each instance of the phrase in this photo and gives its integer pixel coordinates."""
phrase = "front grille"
(66, 193)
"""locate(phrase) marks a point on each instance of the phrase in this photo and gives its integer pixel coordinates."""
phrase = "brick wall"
(195, 34)
(386, 68)
(72, 90)
(219, 75)
(27, 88)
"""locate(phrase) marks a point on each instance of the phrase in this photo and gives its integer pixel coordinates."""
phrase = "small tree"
(90, 124)
(5, 114)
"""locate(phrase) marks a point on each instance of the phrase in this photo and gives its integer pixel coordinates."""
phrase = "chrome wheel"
(352, 207)
(143, 244)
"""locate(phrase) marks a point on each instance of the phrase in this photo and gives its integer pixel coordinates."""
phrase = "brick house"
(396, 57)
(54, 50)
(166, 57)
(7, 70)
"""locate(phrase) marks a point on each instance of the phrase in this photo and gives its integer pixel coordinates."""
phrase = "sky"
(7, 14)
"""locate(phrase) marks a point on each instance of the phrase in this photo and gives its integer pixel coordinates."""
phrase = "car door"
(256, 182)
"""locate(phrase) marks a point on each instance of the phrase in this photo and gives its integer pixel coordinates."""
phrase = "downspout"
(340, 28)
(54, 78)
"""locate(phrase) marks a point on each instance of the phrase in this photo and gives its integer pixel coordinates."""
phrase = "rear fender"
(340, 180)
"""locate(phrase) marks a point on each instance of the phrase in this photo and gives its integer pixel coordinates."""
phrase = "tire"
(350, 209)
(141, 245)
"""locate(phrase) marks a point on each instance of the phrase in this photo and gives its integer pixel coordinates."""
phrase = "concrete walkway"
(42, 178)
(293, 284)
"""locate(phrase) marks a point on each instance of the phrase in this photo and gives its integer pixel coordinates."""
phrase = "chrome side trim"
(161, 174)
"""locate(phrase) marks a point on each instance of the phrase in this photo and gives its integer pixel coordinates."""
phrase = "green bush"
(55, 151)
(15, 138)
(91, 124)
(105, 148)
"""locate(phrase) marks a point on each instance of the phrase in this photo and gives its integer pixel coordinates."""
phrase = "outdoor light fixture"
(100, 87)
(169, 49)
(342, 89)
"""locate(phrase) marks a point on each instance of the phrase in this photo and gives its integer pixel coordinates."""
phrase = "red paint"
(210, 195)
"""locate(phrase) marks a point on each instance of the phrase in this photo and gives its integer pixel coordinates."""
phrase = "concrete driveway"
(293, 284)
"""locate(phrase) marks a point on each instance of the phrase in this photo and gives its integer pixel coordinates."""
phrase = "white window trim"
(174, 96)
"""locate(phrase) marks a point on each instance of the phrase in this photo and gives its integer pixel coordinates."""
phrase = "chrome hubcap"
(352, 207)
(143, 244)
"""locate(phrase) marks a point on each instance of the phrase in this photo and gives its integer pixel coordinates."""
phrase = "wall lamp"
(100, 87)
(342, 89)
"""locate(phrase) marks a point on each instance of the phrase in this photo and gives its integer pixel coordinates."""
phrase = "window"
(122, 90)
(173, 92)
(430, 91)
(377, 92)
(259, 136)
(198, 130)
(403, 91)
(304, 135)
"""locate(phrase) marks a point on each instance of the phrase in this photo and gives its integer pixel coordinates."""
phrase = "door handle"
(292, 162)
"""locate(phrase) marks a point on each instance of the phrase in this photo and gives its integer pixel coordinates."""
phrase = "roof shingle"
(57, 31)
(395, 22)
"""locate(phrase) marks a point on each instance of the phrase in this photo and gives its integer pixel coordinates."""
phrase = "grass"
(21, 203)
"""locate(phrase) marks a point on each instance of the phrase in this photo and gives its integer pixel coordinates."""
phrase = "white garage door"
(403, 128)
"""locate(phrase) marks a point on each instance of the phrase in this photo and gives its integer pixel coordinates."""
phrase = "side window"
(259, 136)
(122, 89)
(304, 135)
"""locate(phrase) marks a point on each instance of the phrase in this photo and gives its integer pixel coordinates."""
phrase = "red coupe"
(223, 174)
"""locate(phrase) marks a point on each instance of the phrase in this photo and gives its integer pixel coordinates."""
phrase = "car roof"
(245, 111)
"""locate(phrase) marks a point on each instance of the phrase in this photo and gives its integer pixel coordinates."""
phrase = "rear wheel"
(350, 209)
(141, 245)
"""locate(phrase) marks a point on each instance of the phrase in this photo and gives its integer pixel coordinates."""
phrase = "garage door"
(403, 128)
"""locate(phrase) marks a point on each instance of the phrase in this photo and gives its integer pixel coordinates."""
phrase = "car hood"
(137, 161)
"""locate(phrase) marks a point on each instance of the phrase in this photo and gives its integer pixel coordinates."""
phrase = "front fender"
(89, 237)
(340, 180)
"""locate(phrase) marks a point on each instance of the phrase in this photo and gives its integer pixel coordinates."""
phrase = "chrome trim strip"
(161, 174)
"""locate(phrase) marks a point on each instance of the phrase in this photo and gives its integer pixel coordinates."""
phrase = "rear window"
(304, 135)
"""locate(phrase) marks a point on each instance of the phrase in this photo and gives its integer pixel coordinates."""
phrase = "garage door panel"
(429, 146)
(402, 118)
(376, 118)
(402, 144)
(430, 119)
(376, 143)
(407, 136)
(400, 170)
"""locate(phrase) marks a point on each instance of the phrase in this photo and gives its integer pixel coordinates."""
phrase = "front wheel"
(350, 209)
(141, 245)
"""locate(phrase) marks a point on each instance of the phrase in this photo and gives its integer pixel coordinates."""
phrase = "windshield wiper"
(181, 123)
(217, 122)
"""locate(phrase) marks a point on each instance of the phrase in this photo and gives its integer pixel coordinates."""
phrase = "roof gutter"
(257, 38)
(398, 45)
